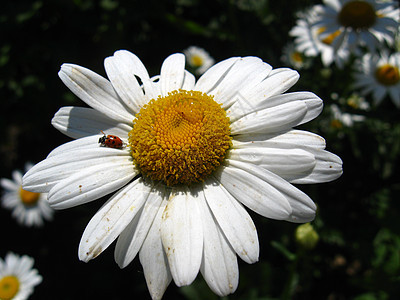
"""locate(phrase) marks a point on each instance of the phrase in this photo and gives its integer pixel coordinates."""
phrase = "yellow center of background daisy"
(28, 198)
(357, 15)
(197, 61)
(387, 75)
(9, 287)
(180, 138)
(336, 124)
(297, 56)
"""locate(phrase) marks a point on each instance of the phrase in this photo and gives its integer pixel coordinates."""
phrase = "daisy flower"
(358, 23)
(311, 41)
(357, 102)
(340, 118)
(17, 278)
(193, 155)
(198, 59)
(379, 75)
(294, 58)
(29, 208)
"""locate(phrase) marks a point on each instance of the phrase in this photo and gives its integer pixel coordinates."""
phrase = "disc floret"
(9, 287)
(180, 138)
(387, 75)
(358, 15)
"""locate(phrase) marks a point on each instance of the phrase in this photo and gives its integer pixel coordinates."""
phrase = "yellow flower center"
(387, 75)
(336, 124)
(28, 198)
(357, 15)
(9, 287)
(297, 57)
(180, 138)
(196, 61)
(328, 40)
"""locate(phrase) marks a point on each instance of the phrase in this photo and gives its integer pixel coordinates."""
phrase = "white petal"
(75, 145)
(213, 76)
(235, 222)
(182, 235)
(252, 98)
(10, 200)
(275, 119)
(9, 185)
(302, 207)
(49, 172)
(313, 102)
(328, 168)
(111, 219)
(131, 239)
(153, 258)
(243, 72)
(90, 184)
(17, 176)
(122, 69)
(172, 73)
(188, 81)
(294, 163)
(219, 266)
(394, 93)
(254, 192)
(78, 122)
(288, 140)
(95, 91)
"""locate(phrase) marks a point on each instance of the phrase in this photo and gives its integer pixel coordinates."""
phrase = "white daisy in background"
(358, 23)
(357, 102)
(17, 278)
(193, 155)
(198, 59)
(309, 39)
(28, 208)
(294, 58)
(340, 118)
(379, 75)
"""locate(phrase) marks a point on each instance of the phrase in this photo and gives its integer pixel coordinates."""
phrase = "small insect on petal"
(111, 141)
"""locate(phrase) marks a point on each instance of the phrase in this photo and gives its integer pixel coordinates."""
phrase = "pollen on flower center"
(9, 287)
(357, 15)
(387, 75)
(180, 138)
(28, 198)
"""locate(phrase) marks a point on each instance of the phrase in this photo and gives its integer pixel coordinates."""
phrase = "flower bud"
(306, 236)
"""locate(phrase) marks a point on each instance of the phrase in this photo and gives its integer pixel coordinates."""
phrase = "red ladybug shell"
(111, 141)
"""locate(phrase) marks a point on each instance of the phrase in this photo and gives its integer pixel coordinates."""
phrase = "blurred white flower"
(17, 277)
(294, 58)
(356, 23)
(357, 102)
(309, 39)
(198, 59)
(340, 118)
(27, 207)
(379, 74)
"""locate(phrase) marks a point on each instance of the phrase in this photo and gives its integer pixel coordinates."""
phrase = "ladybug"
(111, 141)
